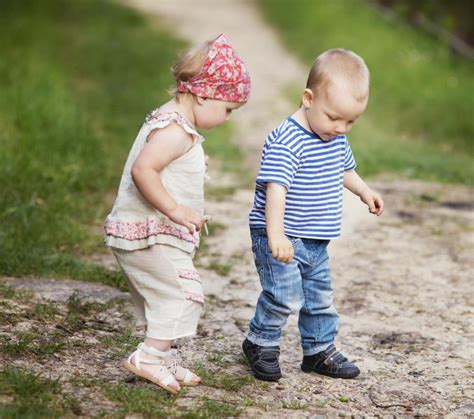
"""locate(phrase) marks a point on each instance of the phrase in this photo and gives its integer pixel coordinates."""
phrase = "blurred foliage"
(77, 79)
(455, 16)
(419, 122)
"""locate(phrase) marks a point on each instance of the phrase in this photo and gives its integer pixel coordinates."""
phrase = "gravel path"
(402, 282)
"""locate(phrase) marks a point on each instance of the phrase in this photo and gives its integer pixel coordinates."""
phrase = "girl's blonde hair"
(342, 65)
(188, 65)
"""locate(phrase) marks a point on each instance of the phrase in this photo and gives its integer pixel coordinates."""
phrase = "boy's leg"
(318, 320)
(281, 295)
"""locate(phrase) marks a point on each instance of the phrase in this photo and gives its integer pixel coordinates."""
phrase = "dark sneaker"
(330, 362)
(263, 360)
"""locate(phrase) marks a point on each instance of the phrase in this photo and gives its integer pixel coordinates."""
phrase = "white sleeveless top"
(134, 223)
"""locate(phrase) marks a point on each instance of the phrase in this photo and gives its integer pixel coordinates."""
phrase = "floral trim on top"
(156, 116)
(139, 230)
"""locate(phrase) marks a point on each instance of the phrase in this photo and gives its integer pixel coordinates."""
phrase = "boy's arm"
(357, 186)
(281, 247)
(162, 148)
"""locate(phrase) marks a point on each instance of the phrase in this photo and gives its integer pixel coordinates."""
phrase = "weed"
(42, 312)
(220, 268)
(33, 396)
(295, 405)
(32, 343)
(222, 380)
(6, 291)
(213, 409)
(144, 399)
(124, 342)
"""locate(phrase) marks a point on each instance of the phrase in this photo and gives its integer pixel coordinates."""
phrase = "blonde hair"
(341, 65)
(188, 65)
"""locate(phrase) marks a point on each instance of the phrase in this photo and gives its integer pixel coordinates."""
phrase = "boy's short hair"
(188, 65)
(343, 65)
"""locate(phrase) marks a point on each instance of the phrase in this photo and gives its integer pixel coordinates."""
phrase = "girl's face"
(210, 113)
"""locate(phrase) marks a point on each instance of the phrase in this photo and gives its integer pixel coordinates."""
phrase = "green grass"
(419, 122)
(27, 395)
(77, 79)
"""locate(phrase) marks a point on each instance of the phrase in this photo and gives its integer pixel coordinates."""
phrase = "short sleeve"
(349, 161)
(279, 165)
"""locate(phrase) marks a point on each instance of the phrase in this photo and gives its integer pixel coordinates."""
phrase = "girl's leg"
(161, 345)
(137, 299)
(155, 272)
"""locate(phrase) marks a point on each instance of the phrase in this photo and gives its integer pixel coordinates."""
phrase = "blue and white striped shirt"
(312, 170)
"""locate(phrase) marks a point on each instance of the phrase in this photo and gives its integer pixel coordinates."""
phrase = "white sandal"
(183, 376)
(163, 377)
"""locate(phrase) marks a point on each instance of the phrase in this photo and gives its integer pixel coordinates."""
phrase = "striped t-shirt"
(312, 170)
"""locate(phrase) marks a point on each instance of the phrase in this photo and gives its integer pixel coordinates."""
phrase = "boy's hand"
(186, 217)
(281, 248)
(373, 200)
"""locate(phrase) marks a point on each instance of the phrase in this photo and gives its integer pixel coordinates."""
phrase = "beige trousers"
(165, 288)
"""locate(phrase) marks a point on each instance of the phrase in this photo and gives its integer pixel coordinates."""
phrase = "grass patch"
(419, 120)
(124, 342)
(43, 312)
(9, 292)
(213, 409)
(221, 193)
(222, 269)
(222, 380)
(146, 400)
(81, 314)
(295, 405)
(27, 395)
(149, 401)
(33, 343)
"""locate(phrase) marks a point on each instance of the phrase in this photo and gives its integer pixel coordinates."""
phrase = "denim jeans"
(303, 286)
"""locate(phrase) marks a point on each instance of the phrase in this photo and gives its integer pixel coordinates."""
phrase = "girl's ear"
(200, 100)
(308, 98)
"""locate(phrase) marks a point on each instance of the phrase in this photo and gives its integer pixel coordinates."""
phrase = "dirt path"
(401, 282)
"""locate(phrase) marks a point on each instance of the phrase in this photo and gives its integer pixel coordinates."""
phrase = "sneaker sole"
(265, 377)
(329, 374)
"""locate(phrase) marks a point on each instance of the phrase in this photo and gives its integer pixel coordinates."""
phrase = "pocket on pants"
(190, 282)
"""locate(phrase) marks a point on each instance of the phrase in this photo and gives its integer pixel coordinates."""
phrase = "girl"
(154, 226)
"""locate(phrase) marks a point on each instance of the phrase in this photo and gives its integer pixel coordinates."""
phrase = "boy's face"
(333, 111)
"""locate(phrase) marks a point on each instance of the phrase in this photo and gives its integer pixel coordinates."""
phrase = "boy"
(297, 210)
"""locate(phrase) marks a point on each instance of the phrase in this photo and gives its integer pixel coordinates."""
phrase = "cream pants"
(165, 288)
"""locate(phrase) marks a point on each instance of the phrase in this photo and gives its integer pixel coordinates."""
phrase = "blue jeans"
(303, 286)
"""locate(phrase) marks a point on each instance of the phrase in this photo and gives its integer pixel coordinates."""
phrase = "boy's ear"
(200, 100)
(308, 98)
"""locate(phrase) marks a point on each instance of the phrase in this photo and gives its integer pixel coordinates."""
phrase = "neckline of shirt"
(182, 119)
(310, 133)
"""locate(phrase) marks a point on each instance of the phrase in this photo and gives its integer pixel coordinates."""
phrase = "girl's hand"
(281, 248)
(187, 217)
(374, 201)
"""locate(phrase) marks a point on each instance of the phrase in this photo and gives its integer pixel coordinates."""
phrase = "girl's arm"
(357, 186)
(281, 247)
(162, 148)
